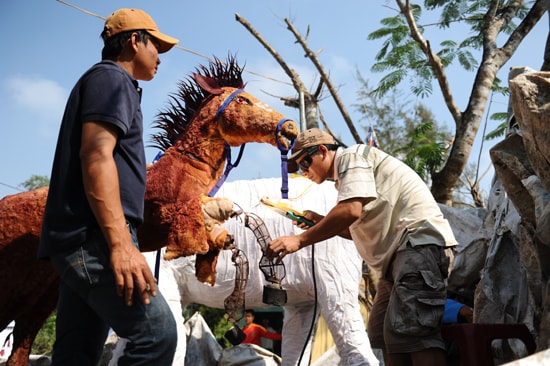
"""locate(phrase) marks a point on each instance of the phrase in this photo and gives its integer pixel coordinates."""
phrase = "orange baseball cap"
(127, 19)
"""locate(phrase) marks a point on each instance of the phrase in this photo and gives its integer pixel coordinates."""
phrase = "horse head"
(241, 118)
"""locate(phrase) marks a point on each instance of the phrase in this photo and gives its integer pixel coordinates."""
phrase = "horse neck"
(202, 140)
(199, 151)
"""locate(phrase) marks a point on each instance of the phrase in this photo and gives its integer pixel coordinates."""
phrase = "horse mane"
(183, 104)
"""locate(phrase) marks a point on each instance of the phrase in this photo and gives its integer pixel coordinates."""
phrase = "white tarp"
(6, 341)
(337, 266)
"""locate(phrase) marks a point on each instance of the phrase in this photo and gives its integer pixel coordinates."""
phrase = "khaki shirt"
(404, 209)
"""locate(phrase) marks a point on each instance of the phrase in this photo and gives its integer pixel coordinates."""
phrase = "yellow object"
(281, 207)
(287, 211)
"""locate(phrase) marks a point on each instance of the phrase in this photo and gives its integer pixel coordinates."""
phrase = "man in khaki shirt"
(398, 229)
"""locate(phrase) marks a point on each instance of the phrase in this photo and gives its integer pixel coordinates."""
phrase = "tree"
(408, 132)
(407, 53)
(213, 317)
(35, 181)
(412, 134)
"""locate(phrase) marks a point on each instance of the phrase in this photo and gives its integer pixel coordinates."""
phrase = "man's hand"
(282, 246)
(311, 216)
(131, 270)
(466, 313)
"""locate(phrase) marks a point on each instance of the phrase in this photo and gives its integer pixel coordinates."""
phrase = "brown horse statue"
(210, 113)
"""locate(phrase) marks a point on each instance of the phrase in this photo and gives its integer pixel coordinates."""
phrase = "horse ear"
(208, 84)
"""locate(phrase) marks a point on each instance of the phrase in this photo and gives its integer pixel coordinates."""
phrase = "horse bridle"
(229, 166)
(227, 148)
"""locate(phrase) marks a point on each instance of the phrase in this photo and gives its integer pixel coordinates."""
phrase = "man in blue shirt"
(95, 204)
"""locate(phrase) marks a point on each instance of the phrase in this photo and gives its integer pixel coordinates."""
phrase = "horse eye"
(242, 100)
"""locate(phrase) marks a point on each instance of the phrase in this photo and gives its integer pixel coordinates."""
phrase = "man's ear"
(133, 41)
(323, 150)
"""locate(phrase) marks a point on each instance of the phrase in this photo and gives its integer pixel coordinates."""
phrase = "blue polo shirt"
(105, 93)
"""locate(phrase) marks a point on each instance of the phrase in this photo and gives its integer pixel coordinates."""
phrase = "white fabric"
(537, 359)
(337, 267)
(169, 289)
(248, 355)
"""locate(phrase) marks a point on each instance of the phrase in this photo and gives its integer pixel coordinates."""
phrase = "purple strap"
(284, 159)
(228, 168)
(227, 101)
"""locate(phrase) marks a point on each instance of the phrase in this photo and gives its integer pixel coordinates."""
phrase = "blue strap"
(158, 156)
(157, 266)
(284, 159)
(227, 101)
(157, 259)
(228, 168)
(284, 176)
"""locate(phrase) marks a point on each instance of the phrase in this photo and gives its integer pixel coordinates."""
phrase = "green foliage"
(213, 317)
(410, 132)
(424, 152)
(404, 130)
(402, 58)
(399, 56)
(43, 343)
(501, 128)
(35, 181)
(219, 331)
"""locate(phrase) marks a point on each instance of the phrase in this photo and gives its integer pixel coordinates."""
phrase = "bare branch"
(324, 76)
(319, 90)
(309, 112)
(433, 59)
(522, 30)
(296, 81)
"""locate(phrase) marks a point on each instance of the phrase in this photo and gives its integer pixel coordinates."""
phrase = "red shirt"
(254, 332)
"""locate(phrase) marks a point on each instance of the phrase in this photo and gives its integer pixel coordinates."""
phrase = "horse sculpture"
(210, 113)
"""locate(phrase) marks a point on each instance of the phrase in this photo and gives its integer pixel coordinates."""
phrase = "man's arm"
(336, 222)
(270, 335)
(101, 186)
(315, 218)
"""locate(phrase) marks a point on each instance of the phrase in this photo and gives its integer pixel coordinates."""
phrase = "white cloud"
(38, 95)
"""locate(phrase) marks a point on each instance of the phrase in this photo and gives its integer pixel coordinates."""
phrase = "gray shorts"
(410, 300)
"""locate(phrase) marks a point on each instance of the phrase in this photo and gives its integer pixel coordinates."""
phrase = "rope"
(177, 46)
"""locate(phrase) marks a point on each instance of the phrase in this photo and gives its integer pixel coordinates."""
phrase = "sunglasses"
(305, 163)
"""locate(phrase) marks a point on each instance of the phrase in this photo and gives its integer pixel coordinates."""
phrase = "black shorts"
(410, 300)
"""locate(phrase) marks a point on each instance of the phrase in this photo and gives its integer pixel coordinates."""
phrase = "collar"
(337, 155)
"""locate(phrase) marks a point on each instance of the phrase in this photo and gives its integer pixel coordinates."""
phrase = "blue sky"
(48, 45)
